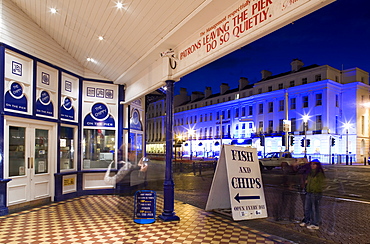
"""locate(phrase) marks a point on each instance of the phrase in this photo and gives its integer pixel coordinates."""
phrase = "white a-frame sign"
(237, 184)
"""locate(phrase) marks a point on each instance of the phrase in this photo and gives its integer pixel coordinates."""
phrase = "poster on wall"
(18, 83)
(69, 97)
(100, 105)
(46, 91)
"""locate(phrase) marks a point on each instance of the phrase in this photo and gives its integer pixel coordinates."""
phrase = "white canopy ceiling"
(135, 35)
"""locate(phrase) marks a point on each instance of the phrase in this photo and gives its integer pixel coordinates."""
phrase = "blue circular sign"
(100, 111)
(45, 98)
(16, 90)
(67, 103)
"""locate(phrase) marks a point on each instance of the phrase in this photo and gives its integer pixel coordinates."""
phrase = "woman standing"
(314, 188)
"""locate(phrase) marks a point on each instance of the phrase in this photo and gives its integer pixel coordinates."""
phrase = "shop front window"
(98, 148)
(67, 149)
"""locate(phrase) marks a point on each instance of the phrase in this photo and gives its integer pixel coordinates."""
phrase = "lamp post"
(305, 123)
(191, 132)
(346, 126)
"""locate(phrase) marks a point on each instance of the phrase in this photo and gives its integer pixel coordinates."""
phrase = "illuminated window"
(98, 148)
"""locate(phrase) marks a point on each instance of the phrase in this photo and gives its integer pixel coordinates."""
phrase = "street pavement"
(344, 220)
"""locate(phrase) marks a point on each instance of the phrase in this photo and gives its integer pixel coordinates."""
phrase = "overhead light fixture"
(53, 10)
(101, 38)
(91, 60)
(119, 5)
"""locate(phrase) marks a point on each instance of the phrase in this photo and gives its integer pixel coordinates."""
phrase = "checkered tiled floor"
(108, 219)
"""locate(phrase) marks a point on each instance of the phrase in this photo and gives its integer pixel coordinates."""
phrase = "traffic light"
(332, 142)
(308, 142)
(291, 140)
(302, 143)
(262, 140)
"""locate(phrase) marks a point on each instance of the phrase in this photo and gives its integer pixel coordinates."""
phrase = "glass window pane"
(67, 150)
(16, 151)
(41, 151)
(98, 148)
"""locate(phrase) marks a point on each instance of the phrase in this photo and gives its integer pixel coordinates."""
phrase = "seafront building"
(324, 110)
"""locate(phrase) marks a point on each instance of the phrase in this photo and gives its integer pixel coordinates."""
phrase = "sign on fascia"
(240, 24)
(237, 184)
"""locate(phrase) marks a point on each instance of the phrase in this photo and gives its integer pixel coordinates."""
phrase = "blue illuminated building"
(336, 103)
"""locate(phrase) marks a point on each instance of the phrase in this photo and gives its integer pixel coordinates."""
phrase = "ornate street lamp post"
(346, 126)
(305, 124)
(191, 133)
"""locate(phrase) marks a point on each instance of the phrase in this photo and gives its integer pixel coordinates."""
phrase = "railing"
(331, 159)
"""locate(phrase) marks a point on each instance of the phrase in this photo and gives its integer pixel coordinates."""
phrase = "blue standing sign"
(145, 207)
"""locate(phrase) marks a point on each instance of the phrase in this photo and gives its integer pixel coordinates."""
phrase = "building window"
(337, 100)
(260, 127)
(271, 107)
(271, 126)
(250, 125)
(317, 77)
(243, 111)
(319, 99)
(363, 125)
(228, 114)
(305, 101)
(270, 88)
(281, 86)
(304, 81)
(195, 119)
(293, 103)
(201, 118)
(281, 105)
(281, 124)
(210, 132)
(293, 124)
(210, 117)
(318, 122)
(260, 108)
(236, 112)
(218, 116)
(291, 83)
(259, 90)
(250, 110)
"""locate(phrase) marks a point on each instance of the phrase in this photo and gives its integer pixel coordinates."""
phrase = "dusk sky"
(337, 35)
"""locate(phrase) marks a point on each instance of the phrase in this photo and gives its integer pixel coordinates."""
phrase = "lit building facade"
(334, 101)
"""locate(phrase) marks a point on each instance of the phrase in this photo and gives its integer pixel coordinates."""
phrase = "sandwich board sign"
(237, 184)
(145, 207)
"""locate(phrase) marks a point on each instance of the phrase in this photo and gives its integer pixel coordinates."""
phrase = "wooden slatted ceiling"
(129, 33)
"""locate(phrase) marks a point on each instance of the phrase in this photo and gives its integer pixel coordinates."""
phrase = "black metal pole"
(168, 185)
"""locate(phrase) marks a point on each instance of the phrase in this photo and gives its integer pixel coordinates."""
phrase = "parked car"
(279, 159)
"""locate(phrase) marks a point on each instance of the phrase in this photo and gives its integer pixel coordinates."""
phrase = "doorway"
(28, 149)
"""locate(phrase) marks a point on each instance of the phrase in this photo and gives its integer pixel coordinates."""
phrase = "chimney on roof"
(243, 82)
(181, 98)
(265, 74)
(196, 95)
(296, 65)
(207, 92)
(224, 88)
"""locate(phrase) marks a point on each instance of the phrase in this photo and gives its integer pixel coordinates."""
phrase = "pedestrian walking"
(314, 188)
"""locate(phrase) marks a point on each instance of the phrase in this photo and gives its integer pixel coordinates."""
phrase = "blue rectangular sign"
(145, 207)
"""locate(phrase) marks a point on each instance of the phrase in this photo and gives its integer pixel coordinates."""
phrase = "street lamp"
(305, 123)
(191, 133)
(346, 126)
